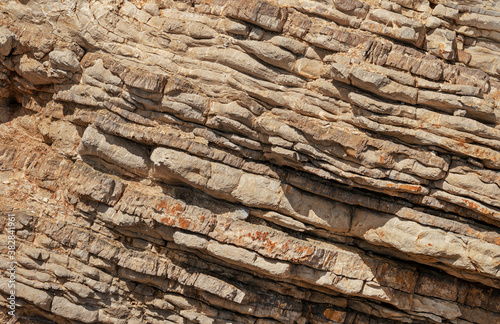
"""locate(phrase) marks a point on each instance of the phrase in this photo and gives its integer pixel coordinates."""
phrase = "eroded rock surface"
(279, 161)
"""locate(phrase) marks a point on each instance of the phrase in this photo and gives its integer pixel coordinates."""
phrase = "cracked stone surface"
(258, 161)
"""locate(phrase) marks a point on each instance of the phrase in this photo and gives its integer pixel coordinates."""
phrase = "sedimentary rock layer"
(279, 161)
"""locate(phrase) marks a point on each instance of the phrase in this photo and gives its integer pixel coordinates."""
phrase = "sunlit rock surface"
(250, 161)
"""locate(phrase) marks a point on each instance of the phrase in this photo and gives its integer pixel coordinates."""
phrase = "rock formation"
(251, 161)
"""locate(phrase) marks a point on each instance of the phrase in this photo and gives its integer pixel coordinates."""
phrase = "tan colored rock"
(243, 63)
(181, 166)
(64, 308)
(6, 39)
(115, 150)
(311, 69)
(286, 43)
(262, 161)
(84, 181)
(382, 85)
(479, 21)
(415, 63)
(394, 25)
(269, 54)
(260, 12)
(62, 135)
(442, 43)
(443, 11)
(64, 60)
(38, 297)
(37, 73)
(253, 260)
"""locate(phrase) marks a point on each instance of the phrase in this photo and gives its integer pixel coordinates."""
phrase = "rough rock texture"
(251, 161)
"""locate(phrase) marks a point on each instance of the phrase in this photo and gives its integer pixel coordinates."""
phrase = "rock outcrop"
(256, 161)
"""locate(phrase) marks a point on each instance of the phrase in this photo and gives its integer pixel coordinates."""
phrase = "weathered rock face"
(279, 161)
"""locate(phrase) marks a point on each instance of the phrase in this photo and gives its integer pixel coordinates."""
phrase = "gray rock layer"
(229, 161)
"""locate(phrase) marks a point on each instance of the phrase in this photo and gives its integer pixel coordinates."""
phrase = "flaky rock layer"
(227, 161)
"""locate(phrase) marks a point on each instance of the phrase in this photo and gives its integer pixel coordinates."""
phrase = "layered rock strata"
(280, 161)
